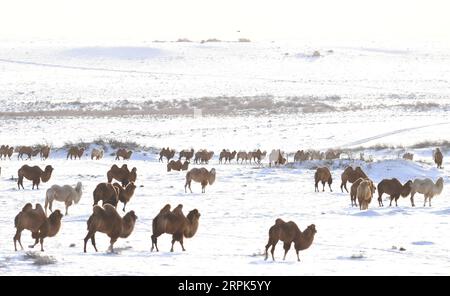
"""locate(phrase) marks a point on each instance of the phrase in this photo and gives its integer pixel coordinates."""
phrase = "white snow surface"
(282, 97)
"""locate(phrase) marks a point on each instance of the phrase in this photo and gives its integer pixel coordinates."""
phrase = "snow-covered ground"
(250, 95)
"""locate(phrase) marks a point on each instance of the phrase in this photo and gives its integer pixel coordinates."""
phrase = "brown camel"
(177, 165)
(6, 151)
(203, 156)
(34, 174)
(25, 150)
(351, 175)
(108, 221)
(289, 232)
(167, 153)
(438, 158)
(122, 174)
(75, 152)
(123, 153)
(394, 188)
(174, 223)
(200, 175)
(408, 156)
(44, 152)
(188, 154)
(323, 175)
(36, 221)
(354, 188)
(364, 193)
(107, 193)
(125, 194)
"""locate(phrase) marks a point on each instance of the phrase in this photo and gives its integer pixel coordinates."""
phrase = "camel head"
(47, 173)
(56, 216)
(406, 190)
(212, 176)
(312, 229)
(130, 216)
(78, 189)
(193, 215)
(440, 184)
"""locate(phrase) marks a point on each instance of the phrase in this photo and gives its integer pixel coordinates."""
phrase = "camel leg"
(380, 201)
(273, 251)
(329, 185)
(390, 204)
(111, 246)
(154, 243)
(189, 185)
(345, 187)
(287, 246)
(323, 184)
(396, 198)
(412, 200)
(89, 235)
(316, 187)
(181, 243)
(68, 204)
(429, 201)
(267, 248)
(298, 258)
(41, 240)
(124, 205)
(36, 239)
(17, 238)
(173, 242)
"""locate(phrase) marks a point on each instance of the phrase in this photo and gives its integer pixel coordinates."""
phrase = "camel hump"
(165, 209)
(39, 208)
(178, 209)
(110, 210)
(27, 207)
(97, 210)
(279, 221)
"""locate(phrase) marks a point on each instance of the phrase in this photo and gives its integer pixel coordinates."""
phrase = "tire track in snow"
(380, 136)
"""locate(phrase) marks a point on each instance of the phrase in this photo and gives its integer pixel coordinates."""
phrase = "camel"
(97, 154)
(438, 158)
(34, 174)
(351, 175)
(122, 174)
(26, 150)
(6, 151)
(125, 194)
(276, 156)
(427, 188)
(107, 193)
(227, 155)
(66, 194)
(258, 156)
(289, 232)
(108, 221)
(37, 222)
(203, 156)
(75, 152)
(175, 223)
(177, 165)
(200, 175)
(188, 154)
(364, 193)
(408, 156)
(394, 188)
(331, 154)
(242, 155)
(123, 153)
(300, 155)
(323, 175)
(167, 153)
(354, 188)
(44, 152)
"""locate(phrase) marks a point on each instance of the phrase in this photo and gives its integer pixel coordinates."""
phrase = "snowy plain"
(282, 97)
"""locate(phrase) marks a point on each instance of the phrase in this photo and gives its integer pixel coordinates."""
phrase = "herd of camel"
(106, 218)
(363, 188)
